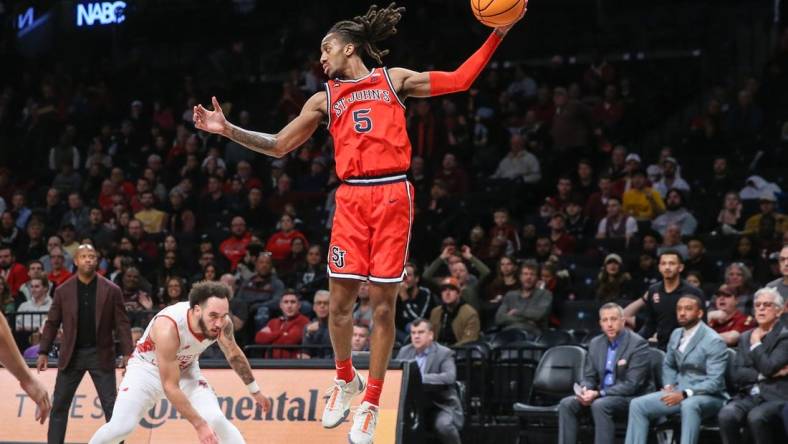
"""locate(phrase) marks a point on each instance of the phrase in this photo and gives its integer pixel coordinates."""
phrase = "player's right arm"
(165, 335)
(293, 135)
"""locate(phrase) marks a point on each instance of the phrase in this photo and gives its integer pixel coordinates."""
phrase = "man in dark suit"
(616, 370)
(759, 372)
(438, 374)
(90, 309)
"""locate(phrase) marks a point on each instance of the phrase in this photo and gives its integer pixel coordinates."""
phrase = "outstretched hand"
(210, 121)
(502, 30)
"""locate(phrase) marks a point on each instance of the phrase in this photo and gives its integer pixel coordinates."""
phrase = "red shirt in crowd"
(283, 331)
(58, 277)
(738, 322)
(15, 276)
(234, 248)
(279, 244)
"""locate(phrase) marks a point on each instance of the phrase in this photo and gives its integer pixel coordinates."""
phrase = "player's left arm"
(410, 83)
(237, 360)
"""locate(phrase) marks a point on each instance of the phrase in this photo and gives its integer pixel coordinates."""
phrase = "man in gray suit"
(760, 373)
(616, 370)
(436, 364)
(693, 376)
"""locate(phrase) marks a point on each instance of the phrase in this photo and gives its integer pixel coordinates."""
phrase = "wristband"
(253, 387)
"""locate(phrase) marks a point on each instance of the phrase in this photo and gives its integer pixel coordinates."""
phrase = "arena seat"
(559, 368)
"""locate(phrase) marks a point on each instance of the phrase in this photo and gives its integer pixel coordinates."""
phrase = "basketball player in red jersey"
(365, 115)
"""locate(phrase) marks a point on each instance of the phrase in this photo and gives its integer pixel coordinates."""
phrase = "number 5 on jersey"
(363, 122)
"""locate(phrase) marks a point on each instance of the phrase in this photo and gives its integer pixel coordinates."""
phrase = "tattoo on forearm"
(242, 368)
(260, 142)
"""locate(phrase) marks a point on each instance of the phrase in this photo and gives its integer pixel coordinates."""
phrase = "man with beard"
(675, 213)
(661, 298)
(727, 320)
(165, 364)
(454, 321)
(527, 308)
(693, 377)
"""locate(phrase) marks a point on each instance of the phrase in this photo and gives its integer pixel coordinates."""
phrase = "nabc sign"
(101, 13)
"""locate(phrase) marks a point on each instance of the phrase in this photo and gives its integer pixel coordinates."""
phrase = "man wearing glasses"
(761, 372)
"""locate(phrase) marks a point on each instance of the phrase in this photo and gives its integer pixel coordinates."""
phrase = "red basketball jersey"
(367, 121)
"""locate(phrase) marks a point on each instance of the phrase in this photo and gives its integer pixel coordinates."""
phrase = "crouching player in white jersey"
(164, 363)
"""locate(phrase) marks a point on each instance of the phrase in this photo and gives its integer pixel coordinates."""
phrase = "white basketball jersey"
(192, 343)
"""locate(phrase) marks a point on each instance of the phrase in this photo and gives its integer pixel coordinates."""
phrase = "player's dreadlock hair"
(365, 31)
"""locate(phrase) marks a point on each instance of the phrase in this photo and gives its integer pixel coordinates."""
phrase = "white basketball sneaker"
(364, 422)
(340, 395)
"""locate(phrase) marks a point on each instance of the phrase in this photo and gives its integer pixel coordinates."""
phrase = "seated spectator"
(671, 179)
(360, 340)
(154, 221)
(59, 272)
(672, 242)
(452, 174)
(34, 269)
(761, 374)
(455, 321)
(260, 294)
(698, 261)
(645, 274)
(518, 164)
(297, 256)
(695, 279)
(287, 329)
(98, 231)
(768, 204)
(557, 282)
(279, 244)
(77, 215)
(757, 188)
(693, 378)
(504, 230)
(738, 279)
(506, 280)
(39, 303)
(577, 224)
(14, 273)
(36, 242)
(174, 291)
(316, 332)
(613, 284)
(310, 275)
(781, 283)
(7, 302)
(726, 319)
(642, 202)
(145, 243)
(56, 241)
(19, 209)
(676, 213)
(134, 297)
(564, 194)
(615, 371)
(617, 224)
(596, 206)
(584, 183)
(362, 311)
(182, 219)
(562, 240)
(234, 247)
(10, 234)
(527, 308)
(730, 221)
(69, 236)
(414, 301)
(632, 164)
(437, 368)
(468, 283)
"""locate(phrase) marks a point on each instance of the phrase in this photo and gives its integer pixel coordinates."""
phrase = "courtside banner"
(297, 394)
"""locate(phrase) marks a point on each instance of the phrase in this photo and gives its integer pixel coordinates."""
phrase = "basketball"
(495, 13)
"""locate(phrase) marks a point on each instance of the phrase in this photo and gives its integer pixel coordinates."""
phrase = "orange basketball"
(494, 13)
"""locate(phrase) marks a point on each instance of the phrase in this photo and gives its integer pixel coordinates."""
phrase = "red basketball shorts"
(371, 230)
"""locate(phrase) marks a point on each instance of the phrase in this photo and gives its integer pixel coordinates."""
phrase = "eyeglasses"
(764, 305)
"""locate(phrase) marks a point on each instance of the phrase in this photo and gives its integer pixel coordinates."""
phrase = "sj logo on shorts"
(338, 256)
